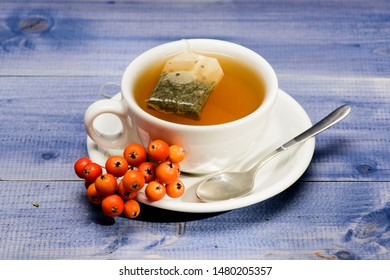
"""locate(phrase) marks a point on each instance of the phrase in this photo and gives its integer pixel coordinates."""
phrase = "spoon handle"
(331, 119)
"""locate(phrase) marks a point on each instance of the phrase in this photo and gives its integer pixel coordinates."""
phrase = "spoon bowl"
(230, 185)
(225, 186)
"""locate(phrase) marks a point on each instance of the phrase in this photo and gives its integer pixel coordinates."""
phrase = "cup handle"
(116, 139)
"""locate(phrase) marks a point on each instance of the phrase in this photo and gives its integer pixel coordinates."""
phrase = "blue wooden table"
(55, 55)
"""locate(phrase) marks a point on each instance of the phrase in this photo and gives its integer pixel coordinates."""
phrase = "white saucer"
(288, 120)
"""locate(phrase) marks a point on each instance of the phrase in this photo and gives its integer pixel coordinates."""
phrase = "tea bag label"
(185, 84)
(203, 68)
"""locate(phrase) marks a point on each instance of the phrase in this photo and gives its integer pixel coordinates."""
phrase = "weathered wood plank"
(100, 38)
(43, 133)
(307, 221)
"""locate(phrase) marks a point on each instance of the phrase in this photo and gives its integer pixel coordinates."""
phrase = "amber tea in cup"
(239, 93)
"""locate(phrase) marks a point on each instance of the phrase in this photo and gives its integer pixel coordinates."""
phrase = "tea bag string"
(109, 89)
(189, 49)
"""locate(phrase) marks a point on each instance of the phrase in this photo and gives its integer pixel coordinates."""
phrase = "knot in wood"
(366, 168)
(34, 25)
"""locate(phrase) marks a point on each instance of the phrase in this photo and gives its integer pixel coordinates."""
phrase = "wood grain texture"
(44, 132)
(101, 37)
(54, 56)
(307, 221)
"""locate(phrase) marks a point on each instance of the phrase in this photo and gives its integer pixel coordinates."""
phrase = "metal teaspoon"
(228, 185)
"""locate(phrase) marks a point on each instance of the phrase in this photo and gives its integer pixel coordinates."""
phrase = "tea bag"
(185, 84)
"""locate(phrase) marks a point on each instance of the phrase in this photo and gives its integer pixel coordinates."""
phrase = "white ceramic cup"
(208, 148)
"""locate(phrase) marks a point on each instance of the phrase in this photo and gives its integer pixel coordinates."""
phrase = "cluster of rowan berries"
(156, 168)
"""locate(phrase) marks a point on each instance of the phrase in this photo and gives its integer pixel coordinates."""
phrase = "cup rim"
(206, 45)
